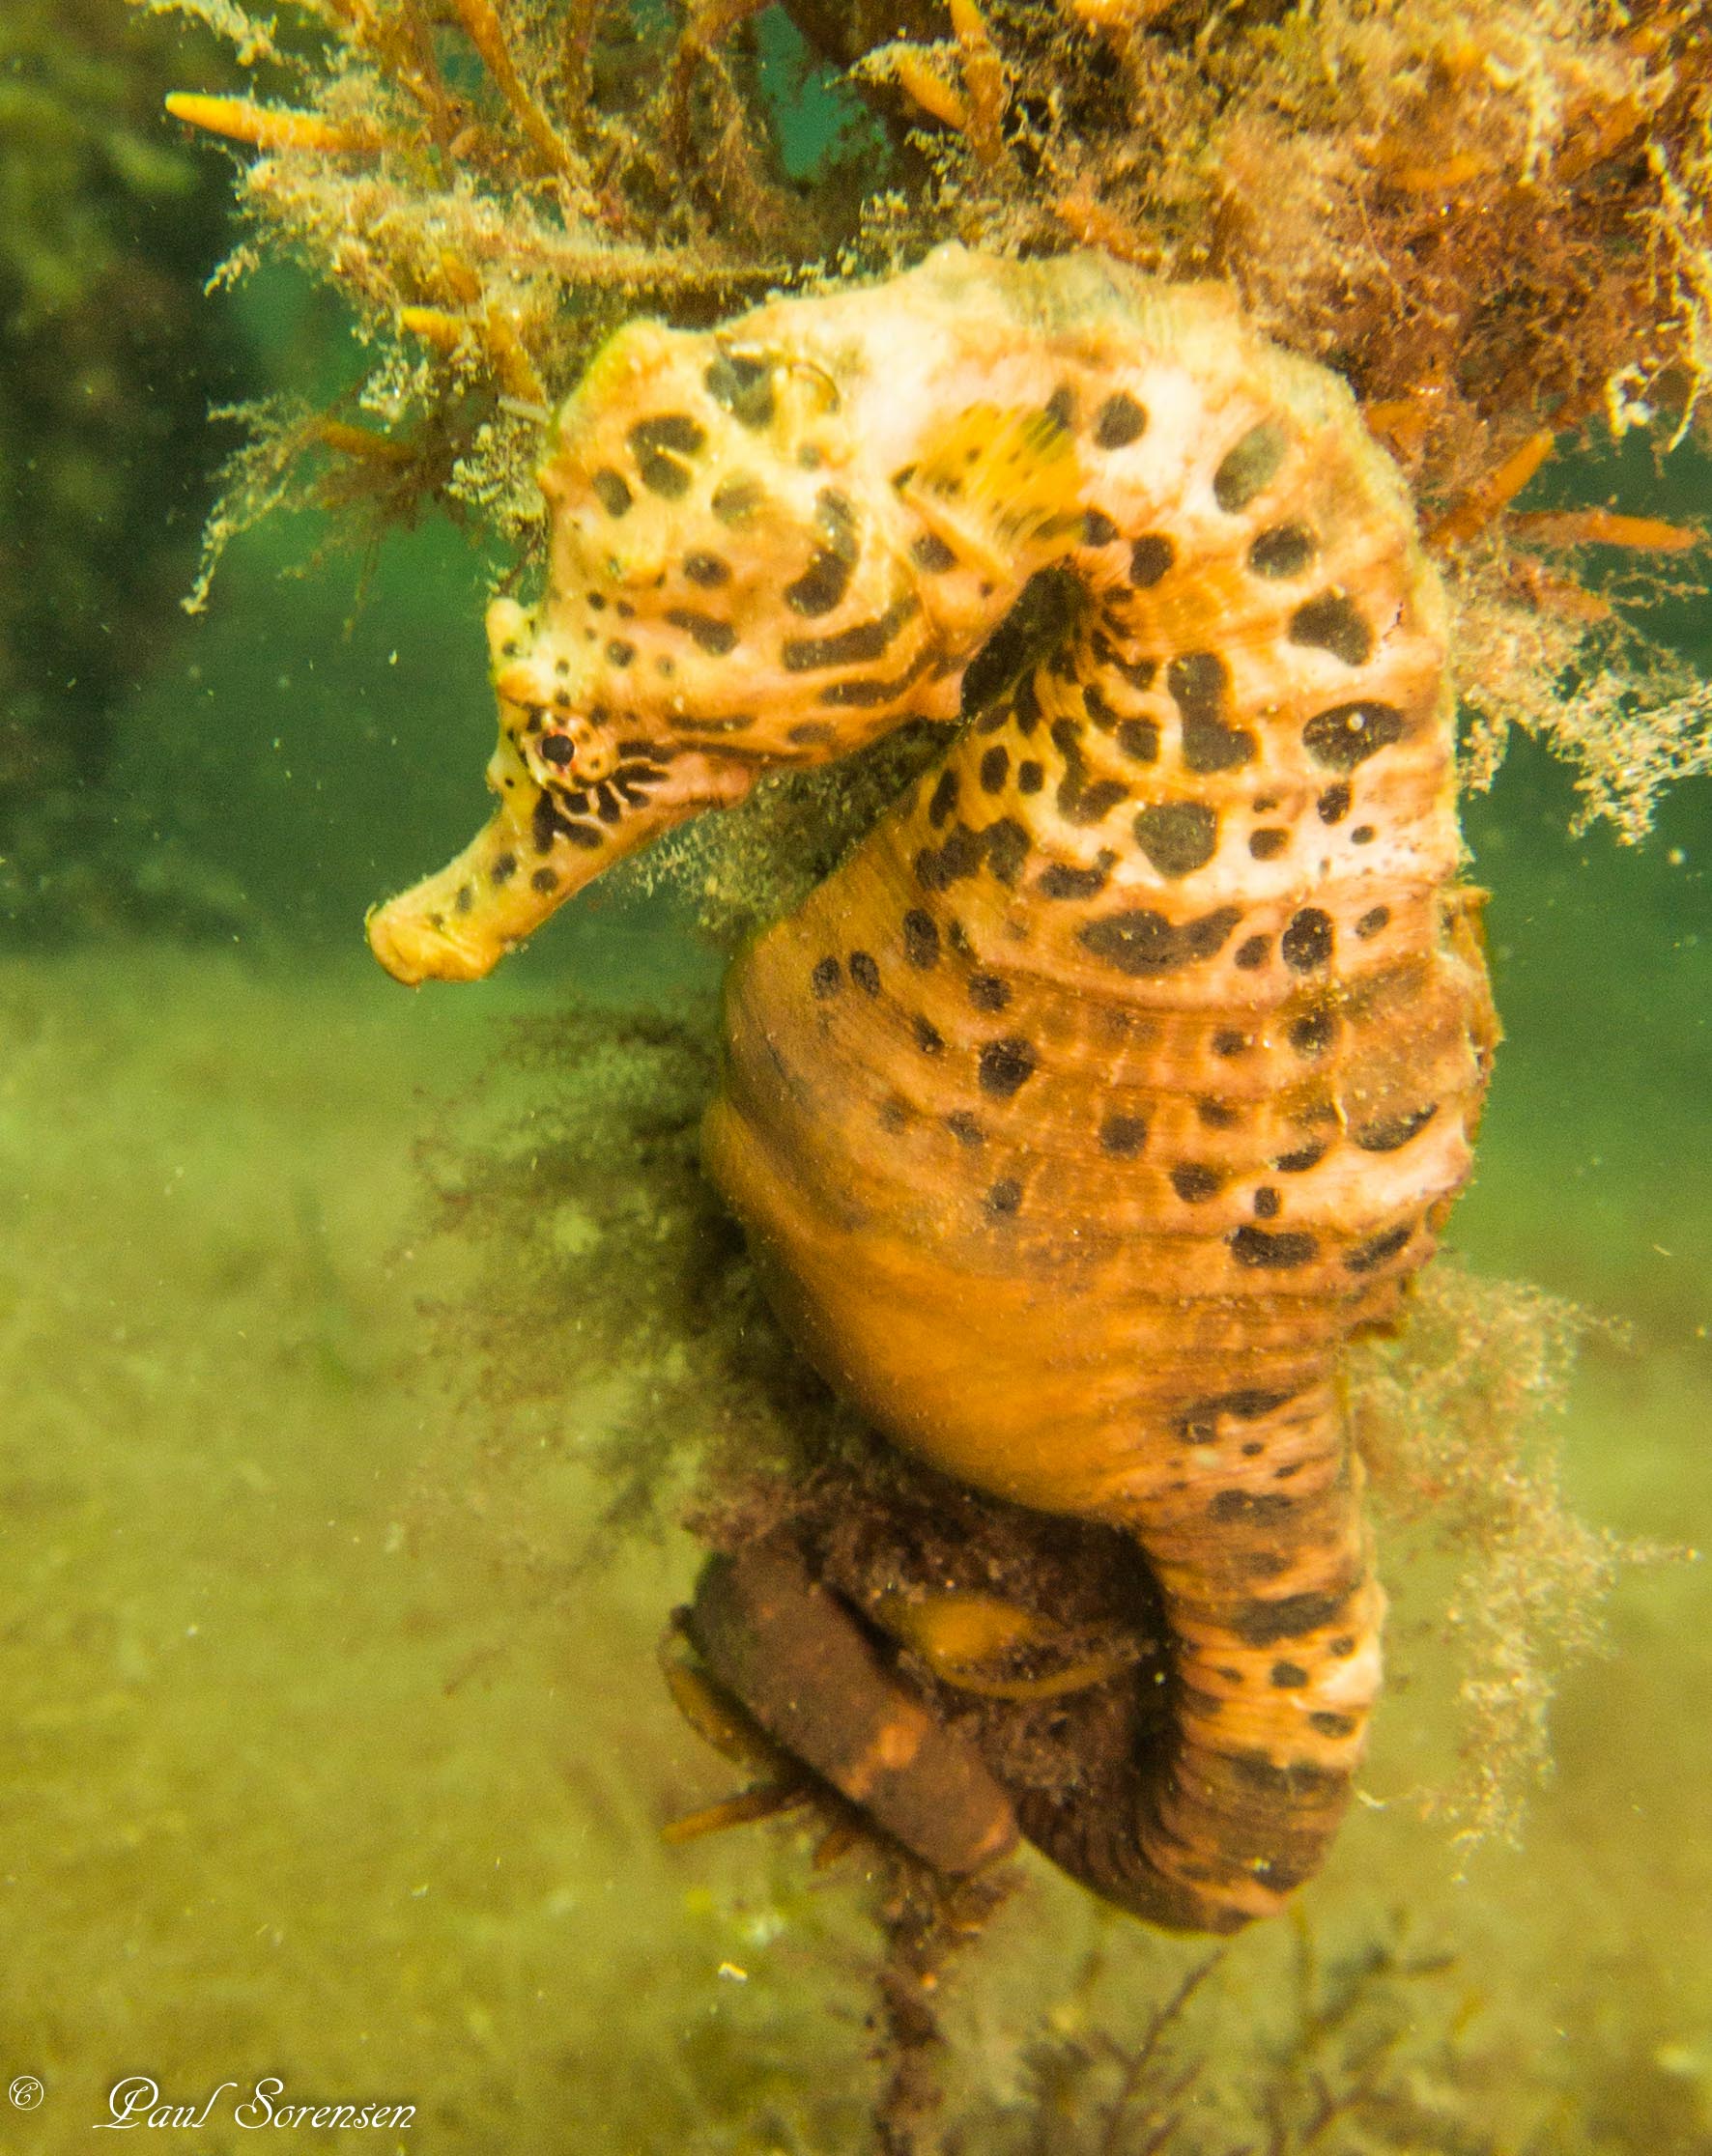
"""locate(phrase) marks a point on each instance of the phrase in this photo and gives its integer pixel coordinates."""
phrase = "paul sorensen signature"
(137, 2101)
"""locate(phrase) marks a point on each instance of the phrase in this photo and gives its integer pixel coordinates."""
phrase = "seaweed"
(1495, 227)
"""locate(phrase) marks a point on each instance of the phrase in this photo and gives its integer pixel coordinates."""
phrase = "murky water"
(321, 1773)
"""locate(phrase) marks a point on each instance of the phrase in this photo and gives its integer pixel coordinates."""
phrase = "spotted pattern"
(1135, 1040)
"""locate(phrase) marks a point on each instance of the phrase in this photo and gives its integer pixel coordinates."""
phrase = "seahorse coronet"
(1130, 1064)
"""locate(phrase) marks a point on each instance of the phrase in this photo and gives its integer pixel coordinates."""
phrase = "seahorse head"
(769, 543)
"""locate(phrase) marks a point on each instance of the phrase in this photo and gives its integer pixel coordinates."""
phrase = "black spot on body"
(987, 992)
(546, 825)
(503, 870)
(1139, 740)
(1084, 803)
(1194, 1182)
(744, 387)
(619, 653)
(1118, 422)
(995, 769)
(660, 445)
(1264, 1623)
(1149, 557)
(1312, 1034)
(869, 693)
(737, 499)
(1097, 528)
(1005, 1067)
(1123, 1136)
(845, 647)
(1061, 881)
(706, 632)
(1216, 1115)
(826, 979)
(1299, 1162)
(1288, 1676)
(1279, 1252)
(943, 798)
(1348, 734)
(1328, 1724)
(1363, 835)
(1198, 1423)
(1250, 465)
(1387, 1133)
(928, 552)
(1200, 687)
(823, 584)
(1266, 1203)
(921, 939)
(865, 973)
(1307, 943)
(556, 751)
(1332, 622)
(708, 570)
(1178, 836)
(611, 490)
(1368, 1255)
(1005, 1196)
(1268, 843)
(1226, 1042)
(544, 880)
(1031, 777)
(1372, 922)
(928, 1037)
(1006, 848)
(1289, 1781)
(1333, 804)
(1282, 551)
(1141, 942)
(964, 1128)
(1254, 1508)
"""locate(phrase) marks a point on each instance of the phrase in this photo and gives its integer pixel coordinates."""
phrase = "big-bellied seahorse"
(1128, 1066)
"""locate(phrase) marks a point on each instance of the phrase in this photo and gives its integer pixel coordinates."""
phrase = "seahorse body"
(1128, 1066)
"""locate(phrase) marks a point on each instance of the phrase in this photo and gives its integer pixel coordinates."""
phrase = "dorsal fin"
(995, 484)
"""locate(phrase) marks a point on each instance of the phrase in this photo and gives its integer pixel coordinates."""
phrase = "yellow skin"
(1130, 1063)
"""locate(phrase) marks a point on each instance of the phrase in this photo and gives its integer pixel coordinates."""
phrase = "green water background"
(322, 1773)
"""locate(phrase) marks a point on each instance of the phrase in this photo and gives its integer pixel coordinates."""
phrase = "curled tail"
(1273, 1618)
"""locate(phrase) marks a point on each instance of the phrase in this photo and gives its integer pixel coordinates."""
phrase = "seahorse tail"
(1273, 1618)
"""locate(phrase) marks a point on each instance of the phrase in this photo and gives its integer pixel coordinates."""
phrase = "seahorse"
(1125, 1071)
